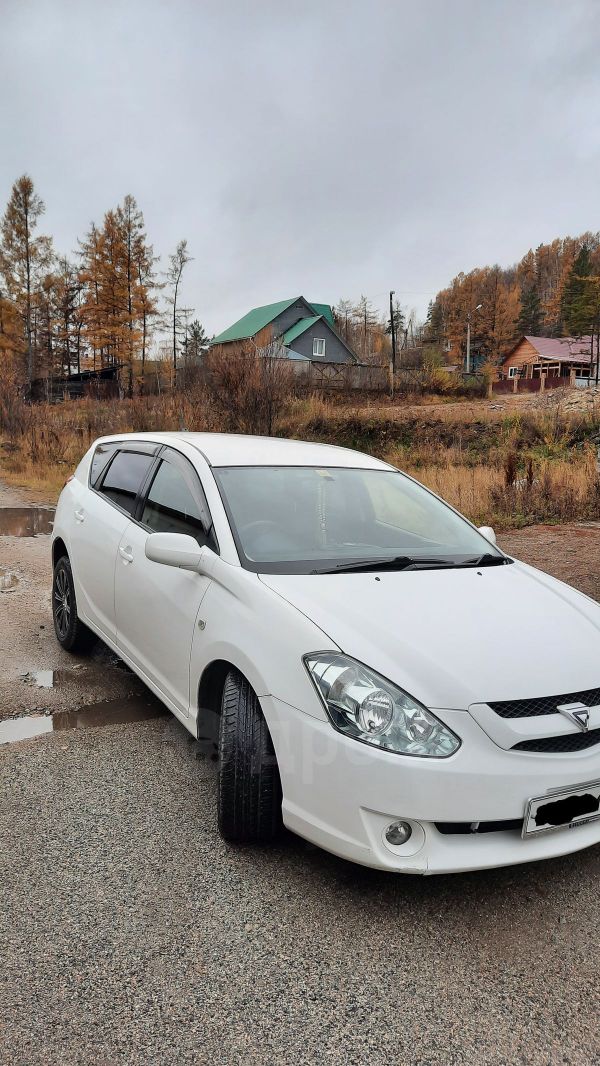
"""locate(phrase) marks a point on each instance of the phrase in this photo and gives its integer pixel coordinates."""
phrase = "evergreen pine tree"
(399, 323)
(434, 326)
(530, 315)
(194, 342)
(576, 312)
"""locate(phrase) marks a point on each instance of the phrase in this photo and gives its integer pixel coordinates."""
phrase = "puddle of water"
(89, 674)
(26, 521)
(8, 580)
(24, 728)
(40, 678)
(112, 712)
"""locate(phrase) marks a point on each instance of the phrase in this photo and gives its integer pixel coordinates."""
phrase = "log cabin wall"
(523, 355)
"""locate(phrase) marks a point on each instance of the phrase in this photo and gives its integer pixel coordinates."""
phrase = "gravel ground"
(570, 553)
(130, 933)
(27, 642)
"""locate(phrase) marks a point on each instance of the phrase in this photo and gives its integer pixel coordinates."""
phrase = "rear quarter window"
(100, 460)
(124, 477)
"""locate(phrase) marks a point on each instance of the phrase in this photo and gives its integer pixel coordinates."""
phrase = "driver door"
(157, 606)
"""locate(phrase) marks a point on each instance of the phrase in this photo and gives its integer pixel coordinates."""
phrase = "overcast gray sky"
(322, 147)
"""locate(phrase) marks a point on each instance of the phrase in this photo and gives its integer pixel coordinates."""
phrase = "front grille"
(567, 742)
(544, 704)
(466, 828)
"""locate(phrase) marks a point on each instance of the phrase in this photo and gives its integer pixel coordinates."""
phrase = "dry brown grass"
(530, 467)
(561, 491)
(469, 489)
(45, 442)
(41, 481)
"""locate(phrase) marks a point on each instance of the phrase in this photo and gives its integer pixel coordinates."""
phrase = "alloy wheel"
(62, 603)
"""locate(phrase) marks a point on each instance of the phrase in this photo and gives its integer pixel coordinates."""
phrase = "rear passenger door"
(157, 606)
(100, 517)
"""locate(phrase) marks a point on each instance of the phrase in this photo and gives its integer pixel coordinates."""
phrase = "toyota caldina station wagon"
(379, 677)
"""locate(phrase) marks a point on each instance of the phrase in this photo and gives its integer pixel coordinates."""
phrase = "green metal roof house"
(305, 331)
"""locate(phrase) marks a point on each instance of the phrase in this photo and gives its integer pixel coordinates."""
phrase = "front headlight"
(369, 708)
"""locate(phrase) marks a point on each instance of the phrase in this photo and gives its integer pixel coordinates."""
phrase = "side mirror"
(488, 533)
(174, 549)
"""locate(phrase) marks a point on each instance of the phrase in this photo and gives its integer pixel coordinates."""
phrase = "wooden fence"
(361, 377)
(533, 384)
(342, 376)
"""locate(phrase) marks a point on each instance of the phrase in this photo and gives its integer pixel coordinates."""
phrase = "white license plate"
(565, 807)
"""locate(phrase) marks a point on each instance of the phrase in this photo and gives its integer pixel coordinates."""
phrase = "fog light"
(398, 833)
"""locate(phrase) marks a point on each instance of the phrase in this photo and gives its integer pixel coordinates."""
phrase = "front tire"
(71, 633)
(249, 798)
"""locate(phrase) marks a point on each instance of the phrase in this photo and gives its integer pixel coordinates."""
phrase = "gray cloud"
(319, 147)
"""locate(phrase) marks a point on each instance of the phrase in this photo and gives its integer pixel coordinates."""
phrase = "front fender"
(263, 637)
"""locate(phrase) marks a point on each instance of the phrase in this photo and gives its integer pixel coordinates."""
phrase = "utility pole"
(468, 359)
(393, 331)
(393, 334)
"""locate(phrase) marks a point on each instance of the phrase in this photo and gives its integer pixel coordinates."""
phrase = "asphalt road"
(130, 933)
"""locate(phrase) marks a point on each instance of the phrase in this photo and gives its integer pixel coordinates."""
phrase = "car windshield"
(306, 520)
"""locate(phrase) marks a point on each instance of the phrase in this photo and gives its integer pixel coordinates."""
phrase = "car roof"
(238, 449)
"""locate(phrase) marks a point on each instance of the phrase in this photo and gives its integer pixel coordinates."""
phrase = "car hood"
(456, 637)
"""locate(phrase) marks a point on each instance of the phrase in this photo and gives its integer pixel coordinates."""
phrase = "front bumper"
(342, 795)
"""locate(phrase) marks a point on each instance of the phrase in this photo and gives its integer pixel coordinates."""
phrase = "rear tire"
(249, 798)
(71, 633)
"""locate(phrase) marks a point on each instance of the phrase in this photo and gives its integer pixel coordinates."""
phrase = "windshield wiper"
(487, 559)
(396, 562)
(406, 562)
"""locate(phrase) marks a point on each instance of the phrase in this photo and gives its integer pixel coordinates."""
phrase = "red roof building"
(534, 357)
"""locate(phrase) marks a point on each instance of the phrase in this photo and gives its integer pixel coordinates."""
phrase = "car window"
(301, 519)
(124, 477)
(171, 506)
(415, 513)
(100, 460)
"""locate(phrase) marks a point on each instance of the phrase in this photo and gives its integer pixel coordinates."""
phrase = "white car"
(379, 677)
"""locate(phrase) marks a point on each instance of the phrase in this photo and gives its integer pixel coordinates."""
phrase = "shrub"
(247, 390)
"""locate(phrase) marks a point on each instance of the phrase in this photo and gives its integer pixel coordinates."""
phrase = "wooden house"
(554, 357)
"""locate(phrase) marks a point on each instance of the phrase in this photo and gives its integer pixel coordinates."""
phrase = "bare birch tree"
(177, 264)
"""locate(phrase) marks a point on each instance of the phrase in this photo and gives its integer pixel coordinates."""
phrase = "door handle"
(126, 554)
(79, 515)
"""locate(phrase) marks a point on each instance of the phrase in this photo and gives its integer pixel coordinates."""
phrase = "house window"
(318, 347)
(513, 371)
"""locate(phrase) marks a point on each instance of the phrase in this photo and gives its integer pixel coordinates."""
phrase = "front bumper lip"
(342, 795)
(460, 854)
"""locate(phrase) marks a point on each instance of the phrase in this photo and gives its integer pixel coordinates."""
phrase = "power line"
(408, 292)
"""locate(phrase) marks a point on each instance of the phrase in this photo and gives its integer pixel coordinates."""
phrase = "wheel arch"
(59, 548)
(210, 691)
